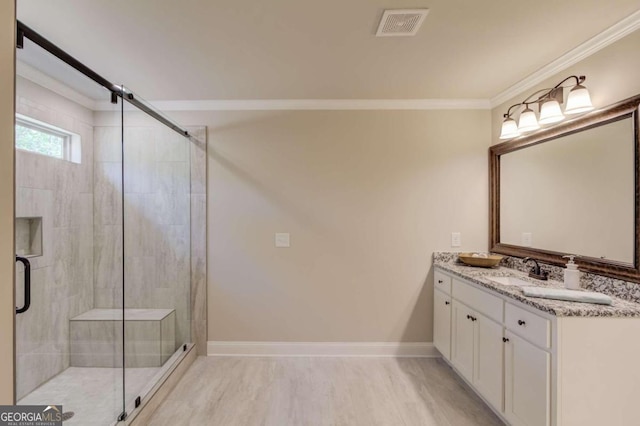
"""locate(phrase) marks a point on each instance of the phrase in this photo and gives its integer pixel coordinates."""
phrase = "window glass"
(40, 141)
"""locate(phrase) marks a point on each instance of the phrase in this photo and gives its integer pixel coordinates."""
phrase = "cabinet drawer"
(532, 327)
(442, 282)
(479, 300)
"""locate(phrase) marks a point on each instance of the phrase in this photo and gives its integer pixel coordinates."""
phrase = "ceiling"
(297, 49)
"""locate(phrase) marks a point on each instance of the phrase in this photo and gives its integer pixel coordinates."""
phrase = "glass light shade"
(528, 121)
(509, 129)
(578, 100)
(550, 112)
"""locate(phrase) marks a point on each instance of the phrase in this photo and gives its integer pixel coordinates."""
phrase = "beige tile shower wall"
(157, 201)
(61, 192)
(107, 218)
(7, 114)
(367, 196)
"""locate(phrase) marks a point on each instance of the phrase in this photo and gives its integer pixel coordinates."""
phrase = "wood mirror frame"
(611, 268)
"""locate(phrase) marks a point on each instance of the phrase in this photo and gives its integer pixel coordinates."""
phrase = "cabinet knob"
(505, 340)
(447, 303)
(473, 318)
(440, 281)
(468, 316)
(520, 322)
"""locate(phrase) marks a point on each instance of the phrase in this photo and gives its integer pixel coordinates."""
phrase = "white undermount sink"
(509, 281)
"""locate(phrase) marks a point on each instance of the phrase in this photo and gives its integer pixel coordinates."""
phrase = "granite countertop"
(480, 276)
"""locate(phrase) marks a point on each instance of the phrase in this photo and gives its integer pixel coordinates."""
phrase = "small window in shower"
(42, 138)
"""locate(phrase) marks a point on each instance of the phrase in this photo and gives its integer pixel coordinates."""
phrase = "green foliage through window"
(40, 141)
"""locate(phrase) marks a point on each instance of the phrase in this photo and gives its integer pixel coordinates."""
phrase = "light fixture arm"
(579, 80)
(548, 94)
(526, 102)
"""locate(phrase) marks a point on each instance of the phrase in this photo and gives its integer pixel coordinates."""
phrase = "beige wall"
(367, 196)
(612, 75)
(7, 116)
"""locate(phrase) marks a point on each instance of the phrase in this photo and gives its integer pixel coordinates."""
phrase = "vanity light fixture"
(578, 100)
(548, 100)
(550, 112)
(528, 121)
(509, 129)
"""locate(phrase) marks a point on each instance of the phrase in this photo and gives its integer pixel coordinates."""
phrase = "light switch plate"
(283, 239)
(527, 239)
(456, 239)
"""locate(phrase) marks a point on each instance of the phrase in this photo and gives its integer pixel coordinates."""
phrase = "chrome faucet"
(535, 271)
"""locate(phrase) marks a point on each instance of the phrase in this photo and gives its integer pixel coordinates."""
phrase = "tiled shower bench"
(96, 337)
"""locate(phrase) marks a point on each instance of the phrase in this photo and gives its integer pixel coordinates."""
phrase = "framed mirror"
(571, 189)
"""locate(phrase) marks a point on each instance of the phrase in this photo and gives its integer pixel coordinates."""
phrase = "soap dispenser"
(571, 274)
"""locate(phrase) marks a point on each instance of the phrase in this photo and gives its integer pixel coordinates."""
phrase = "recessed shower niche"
(29, 236)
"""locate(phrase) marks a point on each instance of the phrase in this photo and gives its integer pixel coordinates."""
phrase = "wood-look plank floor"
(230, 391)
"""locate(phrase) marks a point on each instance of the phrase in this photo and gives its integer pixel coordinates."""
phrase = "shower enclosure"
(102, 239)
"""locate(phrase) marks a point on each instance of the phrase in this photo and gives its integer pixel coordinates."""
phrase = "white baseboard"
(326, 349)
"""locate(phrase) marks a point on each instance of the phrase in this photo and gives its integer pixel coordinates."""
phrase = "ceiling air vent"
(401, 22)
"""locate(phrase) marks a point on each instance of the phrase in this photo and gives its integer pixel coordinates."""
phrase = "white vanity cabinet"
(442, 321)
(476, 351)
(462, 331)
(476, 341)
(527, 379)
(488, 360)
(442, 313)
(527, 367)
(534, 368)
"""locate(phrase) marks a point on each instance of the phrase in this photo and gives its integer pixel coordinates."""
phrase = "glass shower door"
(157, 250)
(69, 240)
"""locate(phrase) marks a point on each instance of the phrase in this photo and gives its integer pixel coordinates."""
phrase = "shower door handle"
(27, 284)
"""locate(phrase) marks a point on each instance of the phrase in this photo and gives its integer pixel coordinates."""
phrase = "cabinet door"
(442, 323)
(488, 360)
(462, 339)
(527, 383)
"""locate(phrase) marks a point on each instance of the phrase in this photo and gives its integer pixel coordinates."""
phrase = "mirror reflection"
(574, 194)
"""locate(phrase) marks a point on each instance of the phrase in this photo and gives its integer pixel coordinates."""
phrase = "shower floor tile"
(93, 394)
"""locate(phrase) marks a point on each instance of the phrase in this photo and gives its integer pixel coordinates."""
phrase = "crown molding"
(314, 104)
(41, 79)
(586, 49)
